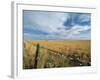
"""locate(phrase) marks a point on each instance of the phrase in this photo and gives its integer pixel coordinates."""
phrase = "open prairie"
(56, 53)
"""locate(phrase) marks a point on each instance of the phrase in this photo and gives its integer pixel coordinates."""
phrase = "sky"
(41, 25)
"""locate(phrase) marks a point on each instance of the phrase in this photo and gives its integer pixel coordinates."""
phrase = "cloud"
(46, 21)
(56, 25)
(81, 19)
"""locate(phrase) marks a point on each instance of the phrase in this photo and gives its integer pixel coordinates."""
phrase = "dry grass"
(67, 53)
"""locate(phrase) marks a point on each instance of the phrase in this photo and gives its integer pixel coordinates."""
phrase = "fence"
(47, 58)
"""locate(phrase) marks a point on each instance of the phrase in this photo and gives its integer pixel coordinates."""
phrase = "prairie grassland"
(56, 53)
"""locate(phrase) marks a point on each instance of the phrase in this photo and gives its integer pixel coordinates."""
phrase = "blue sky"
(56, 25)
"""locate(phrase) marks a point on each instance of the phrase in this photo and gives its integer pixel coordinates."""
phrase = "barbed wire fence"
(56, 58)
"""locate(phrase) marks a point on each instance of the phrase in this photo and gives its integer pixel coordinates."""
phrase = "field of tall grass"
(56, 53)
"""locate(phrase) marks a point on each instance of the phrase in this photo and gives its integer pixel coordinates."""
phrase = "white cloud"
(49, 22)
(85, 18)
(53, 23)
(74, 32)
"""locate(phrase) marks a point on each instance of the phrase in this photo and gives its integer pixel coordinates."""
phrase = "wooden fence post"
(36, 55)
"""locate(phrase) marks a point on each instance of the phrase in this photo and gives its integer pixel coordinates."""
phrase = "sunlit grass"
(57, 53)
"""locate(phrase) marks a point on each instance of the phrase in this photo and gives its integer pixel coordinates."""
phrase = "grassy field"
(56, 53)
